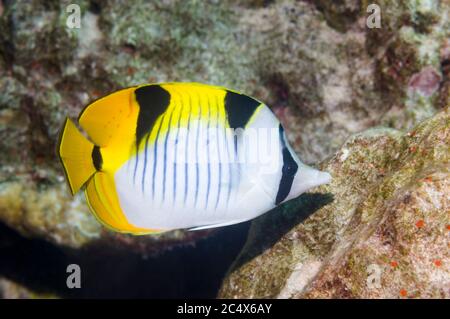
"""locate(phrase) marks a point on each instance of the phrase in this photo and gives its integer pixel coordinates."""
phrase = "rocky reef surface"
(380, 229)
(319, 67)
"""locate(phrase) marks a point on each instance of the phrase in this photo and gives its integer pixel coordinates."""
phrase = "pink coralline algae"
(426, 81)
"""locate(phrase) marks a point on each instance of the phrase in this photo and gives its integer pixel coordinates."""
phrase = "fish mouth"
(307, 178)
(322, 178)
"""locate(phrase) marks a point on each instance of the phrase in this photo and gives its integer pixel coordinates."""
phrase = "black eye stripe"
(288, 171)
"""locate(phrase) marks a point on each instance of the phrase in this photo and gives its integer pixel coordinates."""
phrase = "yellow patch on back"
(196, 99)
(189, 102)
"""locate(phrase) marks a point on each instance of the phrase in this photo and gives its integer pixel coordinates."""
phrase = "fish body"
(170, 156)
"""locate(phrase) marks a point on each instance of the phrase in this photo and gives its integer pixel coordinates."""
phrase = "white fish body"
(201, 165)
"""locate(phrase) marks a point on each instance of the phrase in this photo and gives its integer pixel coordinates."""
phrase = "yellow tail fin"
(75, 152)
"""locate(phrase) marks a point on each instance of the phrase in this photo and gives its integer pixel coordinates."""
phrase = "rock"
(409, 66)
(426, 82)
(11, 290)
(379, 230)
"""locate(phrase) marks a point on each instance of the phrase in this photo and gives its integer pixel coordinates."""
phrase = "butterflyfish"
(159, 157)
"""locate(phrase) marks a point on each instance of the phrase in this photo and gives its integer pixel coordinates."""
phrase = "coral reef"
(384, 233)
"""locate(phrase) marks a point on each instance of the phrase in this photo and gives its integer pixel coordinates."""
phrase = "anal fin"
(104, 203)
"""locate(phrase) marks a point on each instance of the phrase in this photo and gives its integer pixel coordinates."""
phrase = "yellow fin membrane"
(75, 152)
(102, 199)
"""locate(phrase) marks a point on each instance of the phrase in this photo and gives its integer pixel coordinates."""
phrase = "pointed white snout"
(307, 178)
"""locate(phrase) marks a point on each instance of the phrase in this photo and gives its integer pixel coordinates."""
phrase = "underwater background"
(368, 103)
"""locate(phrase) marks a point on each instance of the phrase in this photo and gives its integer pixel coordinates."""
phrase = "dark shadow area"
(276, 223)
(185, 272)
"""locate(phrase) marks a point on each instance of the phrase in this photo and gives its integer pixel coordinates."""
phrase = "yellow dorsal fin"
(103, 119)
(75, 152)
(102, 199)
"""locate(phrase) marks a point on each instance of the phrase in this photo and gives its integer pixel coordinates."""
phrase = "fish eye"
(288, 169)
